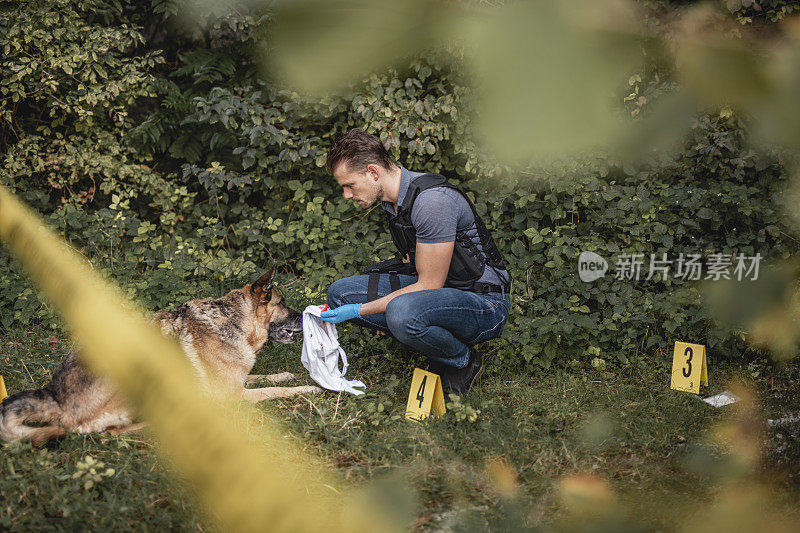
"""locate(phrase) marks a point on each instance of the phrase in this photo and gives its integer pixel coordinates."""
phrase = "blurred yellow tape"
(243, 468)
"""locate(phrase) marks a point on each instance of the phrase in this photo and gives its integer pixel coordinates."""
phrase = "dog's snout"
(295, 319)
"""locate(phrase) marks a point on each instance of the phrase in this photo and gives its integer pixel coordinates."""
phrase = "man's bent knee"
(334, 296)
(399, 314)
(346, 291)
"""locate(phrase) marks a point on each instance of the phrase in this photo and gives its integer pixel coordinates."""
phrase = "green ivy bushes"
(715, 197)
(186, 174)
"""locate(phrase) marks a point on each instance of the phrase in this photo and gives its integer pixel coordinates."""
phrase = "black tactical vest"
(468, 263)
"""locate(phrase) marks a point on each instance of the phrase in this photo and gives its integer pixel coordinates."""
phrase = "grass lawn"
(638, 443)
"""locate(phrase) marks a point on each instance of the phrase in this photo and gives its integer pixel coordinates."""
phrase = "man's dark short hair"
(357, 149)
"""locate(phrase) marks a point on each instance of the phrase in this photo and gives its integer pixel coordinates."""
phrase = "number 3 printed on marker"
(688, 370)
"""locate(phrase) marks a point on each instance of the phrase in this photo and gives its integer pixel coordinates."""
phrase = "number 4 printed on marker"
(421, 391)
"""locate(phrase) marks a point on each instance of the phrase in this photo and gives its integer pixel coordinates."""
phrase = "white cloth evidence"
(321, 353)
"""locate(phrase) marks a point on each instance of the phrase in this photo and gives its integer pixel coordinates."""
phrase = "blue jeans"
(439, 323)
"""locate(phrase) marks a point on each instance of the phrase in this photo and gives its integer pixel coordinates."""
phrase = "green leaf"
(705, 213)
(533, 235)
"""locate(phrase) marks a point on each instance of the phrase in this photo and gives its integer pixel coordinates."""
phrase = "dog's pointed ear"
(262, 288)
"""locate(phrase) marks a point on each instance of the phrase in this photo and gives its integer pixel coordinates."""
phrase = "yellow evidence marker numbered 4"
(689, 367)
(425, 395)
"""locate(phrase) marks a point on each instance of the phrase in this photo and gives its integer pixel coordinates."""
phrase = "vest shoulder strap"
(422, 183)
(428, 181)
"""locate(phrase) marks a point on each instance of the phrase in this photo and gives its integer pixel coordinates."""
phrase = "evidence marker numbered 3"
(689, 367)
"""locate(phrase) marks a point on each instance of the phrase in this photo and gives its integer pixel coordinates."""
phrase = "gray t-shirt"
(438, 214)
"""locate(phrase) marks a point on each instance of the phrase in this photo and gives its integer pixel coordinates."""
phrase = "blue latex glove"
(341, 313)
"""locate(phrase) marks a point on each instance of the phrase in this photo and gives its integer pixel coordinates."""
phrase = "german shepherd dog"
(220, 337)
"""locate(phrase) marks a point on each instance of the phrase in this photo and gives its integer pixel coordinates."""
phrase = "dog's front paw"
(283, 376)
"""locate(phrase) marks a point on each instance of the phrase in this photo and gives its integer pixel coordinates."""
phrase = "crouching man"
(450, 290)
